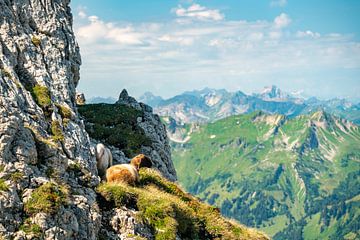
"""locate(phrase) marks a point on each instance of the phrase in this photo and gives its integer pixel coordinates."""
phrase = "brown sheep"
(128, 173)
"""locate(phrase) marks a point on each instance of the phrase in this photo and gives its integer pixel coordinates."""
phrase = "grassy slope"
(268, 176)
(170, 212)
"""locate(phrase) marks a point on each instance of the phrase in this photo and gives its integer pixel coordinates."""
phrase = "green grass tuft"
(56, 131)
(36, 41)
(47, 198)
(16, 176)
(64, 111)
(3, 186)
(41, 95)
(31, 229)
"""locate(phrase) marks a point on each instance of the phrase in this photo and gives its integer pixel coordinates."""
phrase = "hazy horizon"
(169, 47)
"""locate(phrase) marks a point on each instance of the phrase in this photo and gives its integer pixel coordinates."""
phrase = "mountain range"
(294, 178)
(208, 105)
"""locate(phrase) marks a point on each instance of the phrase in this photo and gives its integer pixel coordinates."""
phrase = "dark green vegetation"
(292, 178)
(47, 198)
(115, 124)
(169, 211)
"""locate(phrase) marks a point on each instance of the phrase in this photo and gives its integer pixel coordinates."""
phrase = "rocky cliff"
(41, 136)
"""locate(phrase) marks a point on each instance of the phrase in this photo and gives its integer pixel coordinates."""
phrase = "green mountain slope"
(293, 178)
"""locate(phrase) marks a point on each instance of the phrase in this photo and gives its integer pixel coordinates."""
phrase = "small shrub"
(47, 198)
(64, 111)
(36, 41)
(3, 186)
(41, 95)
(56, 131)
(30, 228)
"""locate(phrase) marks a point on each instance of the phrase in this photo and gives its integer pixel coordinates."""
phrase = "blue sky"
(167, 47)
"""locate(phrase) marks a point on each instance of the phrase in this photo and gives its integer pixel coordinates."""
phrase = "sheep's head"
(141, 161)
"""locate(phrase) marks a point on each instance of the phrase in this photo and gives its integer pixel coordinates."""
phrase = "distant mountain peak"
(273, 93)
(150, 99)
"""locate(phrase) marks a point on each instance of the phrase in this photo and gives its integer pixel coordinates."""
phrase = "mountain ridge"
(208, 104)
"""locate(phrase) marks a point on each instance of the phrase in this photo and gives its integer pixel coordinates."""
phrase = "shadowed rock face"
(40, 132)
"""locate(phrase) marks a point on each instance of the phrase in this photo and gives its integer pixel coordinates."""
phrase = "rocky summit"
(49, 183)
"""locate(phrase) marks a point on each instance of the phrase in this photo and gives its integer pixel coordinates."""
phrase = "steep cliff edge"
(49, 187)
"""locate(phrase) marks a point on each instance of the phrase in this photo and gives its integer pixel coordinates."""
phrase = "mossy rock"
(47, 198)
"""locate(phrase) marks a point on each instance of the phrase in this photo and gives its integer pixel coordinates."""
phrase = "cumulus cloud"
(281, 21)
(196, 11)
(97, 30)
(278, 3)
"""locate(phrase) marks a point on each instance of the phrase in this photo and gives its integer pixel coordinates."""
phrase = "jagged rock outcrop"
(159, 149)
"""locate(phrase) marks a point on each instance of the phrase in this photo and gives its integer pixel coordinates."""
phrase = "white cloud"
(195, 11)
(278, 3)
(185, 41)
(281, 21)
(307, 33)
(82, 14)
(97, 30)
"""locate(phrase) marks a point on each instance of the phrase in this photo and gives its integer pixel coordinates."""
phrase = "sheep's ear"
(145, 162)
(136, 161)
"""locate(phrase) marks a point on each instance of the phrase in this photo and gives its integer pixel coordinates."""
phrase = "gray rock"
(154, 129)
(38, 48)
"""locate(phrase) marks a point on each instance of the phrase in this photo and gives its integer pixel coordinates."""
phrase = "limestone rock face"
(41, 135)
(154, 129)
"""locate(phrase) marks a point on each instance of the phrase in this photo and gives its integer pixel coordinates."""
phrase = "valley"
(294, 178)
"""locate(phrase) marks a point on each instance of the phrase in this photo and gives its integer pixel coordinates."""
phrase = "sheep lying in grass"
(128, 173)
(103, 158)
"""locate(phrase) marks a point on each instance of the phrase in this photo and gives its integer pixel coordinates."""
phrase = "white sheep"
(104, 159)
